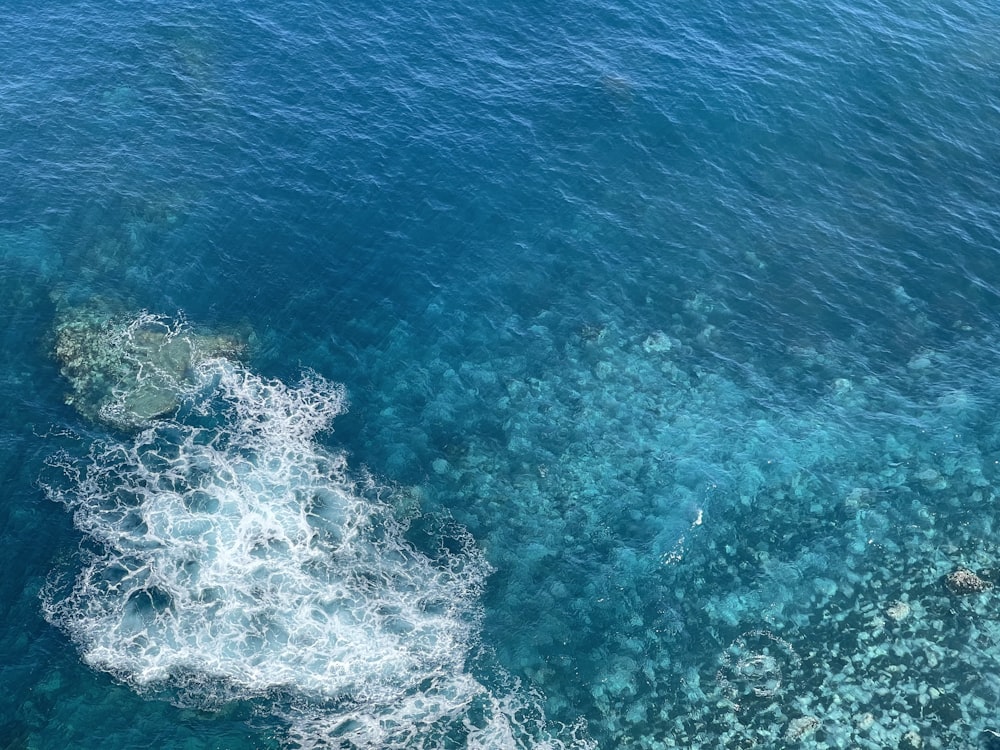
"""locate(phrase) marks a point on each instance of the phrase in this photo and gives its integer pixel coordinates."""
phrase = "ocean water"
(502, 375)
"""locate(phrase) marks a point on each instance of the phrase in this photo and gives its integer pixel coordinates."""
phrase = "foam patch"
(233, 557)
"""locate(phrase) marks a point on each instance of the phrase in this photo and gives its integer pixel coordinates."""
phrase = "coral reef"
(704, 560)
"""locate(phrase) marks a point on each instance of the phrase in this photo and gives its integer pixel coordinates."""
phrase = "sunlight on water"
(670, 338)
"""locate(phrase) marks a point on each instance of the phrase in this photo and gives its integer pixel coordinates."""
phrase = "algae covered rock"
(127, 370)
(962, 582)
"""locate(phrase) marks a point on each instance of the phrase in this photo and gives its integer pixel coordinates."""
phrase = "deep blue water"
(670, 339)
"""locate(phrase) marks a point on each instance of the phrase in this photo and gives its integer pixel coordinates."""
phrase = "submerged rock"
(657, 342)
(962, 581)
(990, 739)
(125, 371)
(800, 728)
(898, 610)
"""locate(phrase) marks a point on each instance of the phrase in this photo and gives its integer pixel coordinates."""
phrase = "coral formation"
(801, 727)
(657, 342)
(898, 610)
(962, 581)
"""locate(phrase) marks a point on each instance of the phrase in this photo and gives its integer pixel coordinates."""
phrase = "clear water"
(615, 375)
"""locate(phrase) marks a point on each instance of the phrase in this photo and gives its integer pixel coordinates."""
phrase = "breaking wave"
(230, 556)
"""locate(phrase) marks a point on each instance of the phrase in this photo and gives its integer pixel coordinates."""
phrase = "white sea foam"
(234, 557)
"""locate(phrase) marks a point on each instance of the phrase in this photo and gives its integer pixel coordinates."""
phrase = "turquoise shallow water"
(668, 338)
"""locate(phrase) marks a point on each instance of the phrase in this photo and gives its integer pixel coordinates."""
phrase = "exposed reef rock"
(126, 370)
